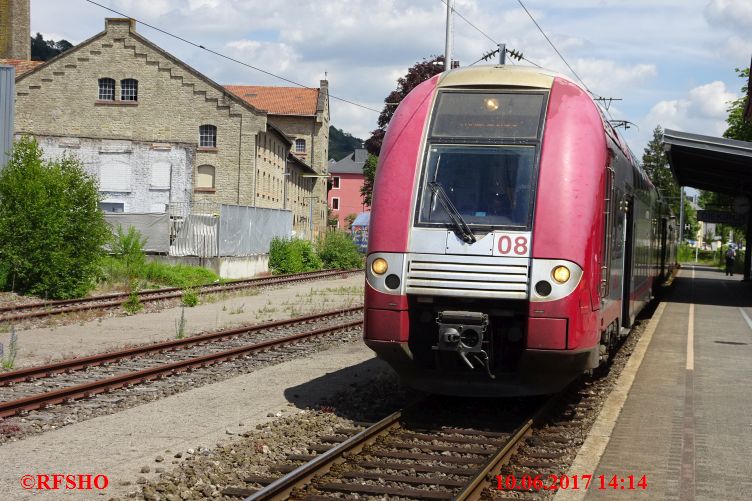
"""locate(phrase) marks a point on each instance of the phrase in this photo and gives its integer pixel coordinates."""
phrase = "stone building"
(158, 133)
(303, 115)
(15, 29)
(151, 128)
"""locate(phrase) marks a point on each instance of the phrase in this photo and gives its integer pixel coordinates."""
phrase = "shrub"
(128, 247)
(190, 298)
(51, 229)
(292, 256)
(133, 304)
(338, 251)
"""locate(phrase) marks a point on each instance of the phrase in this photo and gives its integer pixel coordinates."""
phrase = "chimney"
(15, 29)
(119, 27)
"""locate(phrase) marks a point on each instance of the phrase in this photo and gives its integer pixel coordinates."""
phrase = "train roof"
(514, 76)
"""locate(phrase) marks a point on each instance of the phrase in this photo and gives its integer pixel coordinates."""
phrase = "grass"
(115, 270)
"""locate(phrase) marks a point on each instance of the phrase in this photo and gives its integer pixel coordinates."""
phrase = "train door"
(628, 263)
(663, 247)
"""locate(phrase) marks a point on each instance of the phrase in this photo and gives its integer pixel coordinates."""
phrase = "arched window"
(207, 136)
(300, 146)
(106, 89)
(205, 177)
(129, 89)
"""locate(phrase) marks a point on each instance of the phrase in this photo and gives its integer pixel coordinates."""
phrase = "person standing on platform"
(730, 256)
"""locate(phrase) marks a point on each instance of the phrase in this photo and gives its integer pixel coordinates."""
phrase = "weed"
(190, 298)
(133, 304)
(9, 360)
(237, 311)
(180, 325)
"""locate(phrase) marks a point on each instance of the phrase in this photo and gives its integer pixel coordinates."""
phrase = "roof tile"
(278, 100)
(22, 65)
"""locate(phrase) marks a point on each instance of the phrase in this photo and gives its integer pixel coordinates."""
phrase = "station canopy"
(710, 163)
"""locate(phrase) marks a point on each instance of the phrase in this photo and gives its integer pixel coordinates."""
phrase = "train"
(513, 236)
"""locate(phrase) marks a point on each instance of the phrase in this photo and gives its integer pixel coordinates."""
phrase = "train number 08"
(517, 247)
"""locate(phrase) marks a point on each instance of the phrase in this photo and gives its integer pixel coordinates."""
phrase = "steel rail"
(283, 487)
(474, 488)
(73, 364)
(85, 390)
(21, 311)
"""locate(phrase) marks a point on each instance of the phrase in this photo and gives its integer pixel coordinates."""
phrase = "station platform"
(686, 420)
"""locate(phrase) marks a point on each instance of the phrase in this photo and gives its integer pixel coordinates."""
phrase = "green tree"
(738, 127)
(52, 232)
(369, 174)
(656, 165)
(417, 74)
(44, 50)
(342, 143)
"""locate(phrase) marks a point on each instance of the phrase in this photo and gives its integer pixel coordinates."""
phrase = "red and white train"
(513, 236)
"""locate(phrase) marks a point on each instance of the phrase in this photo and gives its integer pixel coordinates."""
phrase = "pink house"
(345, 180)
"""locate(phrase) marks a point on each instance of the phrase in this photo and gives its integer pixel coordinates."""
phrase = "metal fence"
(213, 230)
(155, 228)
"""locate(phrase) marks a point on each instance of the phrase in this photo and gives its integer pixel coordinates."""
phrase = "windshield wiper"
(461, 229)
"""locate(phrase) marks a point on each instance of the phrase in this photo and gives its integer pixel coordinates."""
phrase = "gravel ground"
(262, 451)
(35, 422)
(85, 334)
(265, 450)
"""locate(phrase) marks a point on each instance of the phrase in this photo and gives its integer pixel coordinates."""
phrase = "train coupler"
(462, 332)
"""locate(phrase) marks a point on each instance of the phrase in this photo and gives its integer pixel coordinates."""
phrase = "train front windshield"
(482, 152)
(489, 186)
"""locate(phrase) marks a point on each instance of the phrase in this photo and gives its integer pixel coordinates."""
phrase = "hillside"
(341, 143)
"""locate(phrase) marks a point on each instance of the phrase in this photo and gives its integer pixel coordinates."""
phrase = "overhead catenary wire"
(224, 56)
(513, 53)
(553, 46)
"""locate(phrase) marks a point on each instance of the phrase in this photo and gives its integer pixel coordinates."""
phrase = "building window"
(106, 89)
(207, 136)
(205, 177)
(335, 182)
(335, 203)
(112, 207)
(300, 146)
(129, 90)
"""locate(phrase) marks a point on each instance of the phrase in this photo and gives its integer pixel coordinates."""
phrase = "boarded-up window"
(115, 176)
(205, 176)
(160, 176)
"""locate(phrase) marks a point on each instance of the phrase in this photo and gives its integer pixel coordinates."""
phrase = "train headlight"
(379, 266)
(561, 274)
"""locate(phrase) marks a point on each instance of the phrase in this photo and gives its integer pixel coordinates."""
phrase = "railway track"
(49, 308)
(74, 379)
(432, 452)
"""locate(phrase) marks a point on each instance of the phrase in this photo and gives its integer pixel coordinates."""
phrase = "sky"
(671, 62)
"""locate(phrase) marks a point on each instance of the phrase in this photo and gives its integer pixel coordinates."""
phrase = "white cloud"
(608, 78)
(702, 110)
(730, 13)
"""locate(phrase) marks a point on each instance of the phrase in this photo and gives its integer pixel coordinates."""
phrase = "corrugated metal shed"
(7, 106)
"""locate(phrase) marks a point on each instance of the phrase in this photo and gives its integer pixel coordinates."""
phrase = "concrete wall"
(225, 267)
(140, 158)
